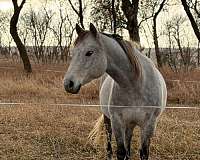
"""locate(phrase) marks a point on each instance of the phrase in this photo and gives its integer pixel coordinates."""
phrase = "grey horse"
(133, 93)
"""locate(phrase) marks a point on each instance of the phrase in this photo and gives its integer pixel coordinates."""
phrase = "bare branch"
(145, 19)
(160, 8)
(196, 10)
(22, 4)
(191, 18)
(80, 12)
(73, 7)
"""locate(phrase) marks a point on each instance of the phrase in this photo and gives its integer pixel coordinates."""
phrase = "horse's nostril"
(71, 84)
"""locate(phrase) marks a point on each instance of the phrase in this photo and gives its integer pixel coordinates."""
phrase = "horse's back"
(154, 81)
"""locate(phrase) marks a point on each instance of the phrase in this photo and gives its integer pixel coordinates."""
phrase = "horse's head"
(88, 60)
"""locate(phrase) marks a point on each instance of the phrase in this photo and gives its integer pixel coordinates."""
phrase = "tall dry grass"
(183, 87)
(40, 86)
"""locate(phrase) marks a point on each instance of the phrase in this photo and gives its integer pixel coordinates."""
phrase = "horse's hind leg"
(107, 124)
(146, 133)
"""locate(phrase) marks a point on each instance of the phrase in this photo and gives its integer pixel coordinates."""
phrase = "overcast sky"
(6, 5)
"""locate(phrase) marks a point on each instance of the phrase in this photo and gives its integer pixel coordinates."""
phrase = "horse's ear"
(93, 29)
(79, 30)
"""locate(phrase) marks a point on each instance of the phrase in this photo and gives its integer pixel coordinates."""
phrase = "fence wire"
(95, 105)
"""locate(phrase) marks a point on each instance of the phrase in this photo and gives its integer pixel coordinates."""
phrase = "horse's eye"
(89, 53)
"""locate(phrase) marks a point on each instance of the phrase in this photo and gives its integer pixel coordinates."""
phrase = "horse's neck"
(119, 66)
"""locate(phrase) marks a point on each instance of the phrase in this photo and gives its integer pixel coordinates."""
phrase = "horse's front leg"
(146, 134)
(107, 124)
(117, 130)
(123, 136)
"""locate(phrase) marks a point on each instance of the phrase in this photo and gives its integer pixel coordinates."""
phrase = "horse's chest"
(132, 106)
(127, 98)
(126, 104)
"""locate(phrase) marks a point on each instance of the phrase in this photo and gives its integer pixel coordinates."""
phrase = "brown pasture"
(39, 131)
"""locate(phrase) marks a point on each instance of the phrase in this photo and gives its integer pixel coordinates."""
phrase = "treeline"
(55, 26)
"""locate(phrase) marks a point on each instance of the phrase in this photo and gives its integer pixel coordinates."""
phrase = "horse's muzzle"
(71, 87)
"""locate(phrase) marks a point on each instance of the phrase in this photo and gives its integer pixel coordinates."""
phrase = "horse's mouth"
(73, 90)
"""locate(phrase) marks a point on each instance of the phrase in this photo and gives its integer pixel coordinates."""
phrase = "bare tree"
(124, 17)
(99, 10)
(177, 22)
(3, 25)
(3, 21)
(2, 30)
(58, 30)
(79, 11)
(171, 57)
(181, 56)
(23, 28)
(155, 36)
(195, 6)
(107, 15)
(63, 32)
(69, 29)
(191, 18)
(150, 10)
(14, 34)
(39, 27)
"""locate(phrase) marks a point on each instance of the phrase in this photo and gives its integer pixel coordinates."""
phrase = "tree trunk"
(133, 31)
(130, 10)
(198, 54)
(15, 36)
(78, 12)
(155, 38)
(114, 17)
(81, 13)
(191, 18)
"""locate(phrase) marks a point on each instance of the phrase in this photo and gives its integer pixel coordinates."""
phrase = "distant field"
(45, 132)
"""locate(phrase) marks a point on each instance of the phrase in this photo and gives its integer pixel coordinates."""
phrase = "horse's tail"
(97, 134)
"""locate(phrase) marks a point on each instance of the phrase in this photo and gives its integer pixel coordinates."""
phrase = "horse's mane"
(128, 48)
(133, 58)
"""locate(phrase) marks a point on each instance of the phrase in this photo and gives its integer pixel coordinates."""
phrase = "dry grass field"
(45, 132)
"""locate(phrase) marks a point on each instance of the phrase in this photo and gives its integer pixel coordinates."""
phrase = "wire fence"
(95, 105)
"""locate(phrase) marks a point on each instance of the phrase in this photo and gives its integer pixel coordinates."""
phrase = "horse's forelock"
(81, 37)
(84, 35)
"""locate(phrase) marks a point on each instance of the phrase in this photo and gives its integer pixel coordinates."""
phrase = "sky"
(6, 5)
